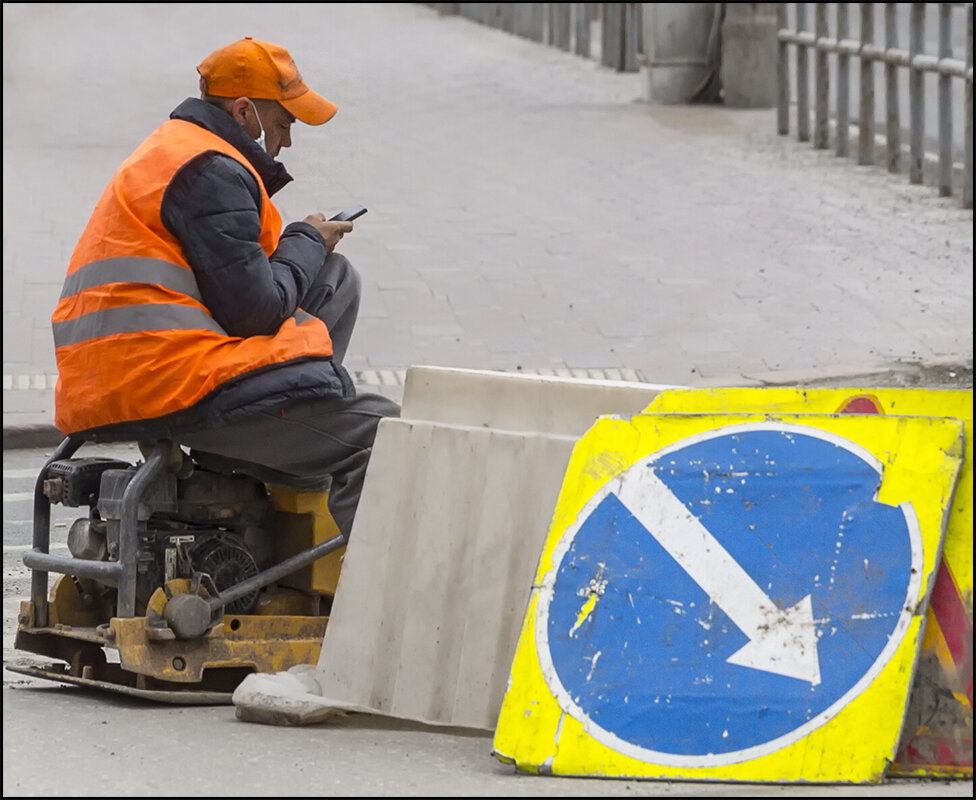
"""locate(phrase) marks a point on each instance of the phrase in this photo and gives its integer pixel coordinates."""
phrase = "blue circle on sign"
(643, 653)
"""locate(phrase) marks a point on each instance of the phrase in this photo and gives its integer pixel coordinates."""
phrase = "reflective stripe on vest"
(143, 317)
(131, 269)
(133, 319)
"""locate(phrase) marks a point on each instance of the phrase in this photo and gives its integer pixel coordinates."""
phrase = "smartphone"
(351, 213)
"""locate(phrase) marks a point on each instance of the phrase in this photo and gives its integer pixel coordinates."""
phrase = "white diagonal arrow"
(782, 641)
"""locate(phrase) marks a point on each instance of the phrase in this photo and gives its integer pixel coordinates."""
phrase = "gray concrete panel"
(437, 573)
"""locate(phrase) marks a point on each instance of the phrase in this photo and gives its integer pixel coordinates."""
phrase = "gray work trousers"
(314, 442)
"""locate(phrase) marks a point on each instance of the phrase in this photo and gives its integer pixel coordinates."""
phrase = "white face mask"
(260, 139)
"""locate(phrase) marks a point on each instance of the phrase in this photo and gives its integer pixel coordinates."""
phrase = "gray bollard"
(749, 55)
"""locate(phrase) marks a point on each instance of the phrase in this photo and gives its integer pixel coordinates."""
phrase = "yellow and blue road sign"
(717, 591)
(937, 738)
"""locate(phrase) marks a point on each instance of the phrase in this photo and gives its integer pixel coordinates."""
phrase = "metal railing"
(869, 52)
(566, 26)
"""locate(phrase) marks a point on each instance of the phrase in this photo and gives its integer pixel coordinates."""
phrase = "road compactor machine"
(184, 577)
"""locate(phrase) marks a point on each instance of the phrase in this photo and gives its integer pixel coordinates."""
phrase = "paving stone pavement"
(528, 211)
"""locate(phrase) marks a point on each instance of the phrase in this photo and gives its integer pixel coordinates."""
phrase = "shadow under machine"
(184, 577)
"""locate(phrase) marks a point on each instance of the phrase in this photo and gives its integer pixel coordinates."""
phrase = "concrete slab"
(537, 403)
(435, 578)
(449, 530)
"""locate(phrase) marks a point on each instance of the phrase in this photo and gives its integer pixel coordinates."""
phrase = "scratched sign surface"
(731, 597)
(937, 739)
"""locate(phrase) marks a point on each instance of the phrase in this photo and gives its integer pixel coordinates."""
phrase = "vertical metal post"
(631, 31)
(843, 84)
(559, 26)
(865, 139)
(893, 117)
(129, 526)
(821, 119)
(967, 192)
(945, 102)
(916, 94)
(42, 532)
(782, 74)
(802, 79)
(581, 24)
(611, 48)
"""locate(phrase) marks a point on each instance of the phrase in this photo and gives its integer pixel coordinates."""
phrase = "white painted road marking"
(781, 641)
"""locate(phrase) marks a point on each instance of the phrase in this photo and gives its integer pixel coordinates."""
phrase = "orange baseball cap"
(251, 68)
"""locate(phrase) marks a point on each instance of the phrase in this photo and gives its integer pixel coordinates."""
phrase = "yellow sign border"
(921, 458)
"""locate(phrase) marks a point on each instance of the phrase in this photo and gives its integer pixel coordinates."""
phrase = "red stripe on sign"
(948, 608)
(861, 404)
(947, 756)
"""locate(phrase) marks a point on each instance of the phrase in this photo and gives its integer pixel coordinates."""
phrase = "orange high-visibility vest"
(132, 337)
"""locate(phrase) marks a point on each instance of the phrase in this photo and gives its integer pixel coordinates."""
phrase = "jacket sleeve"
(213, 207)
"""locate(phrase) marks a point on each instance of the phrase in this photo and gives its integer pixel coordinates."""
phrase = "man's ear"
(239, 109)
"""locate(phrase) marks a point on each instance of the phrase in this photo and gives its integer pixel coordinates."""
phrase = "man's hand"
(331, 231)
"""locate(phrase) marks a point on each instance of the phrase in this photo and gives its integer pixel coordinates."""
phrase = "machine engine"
(200, 523)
